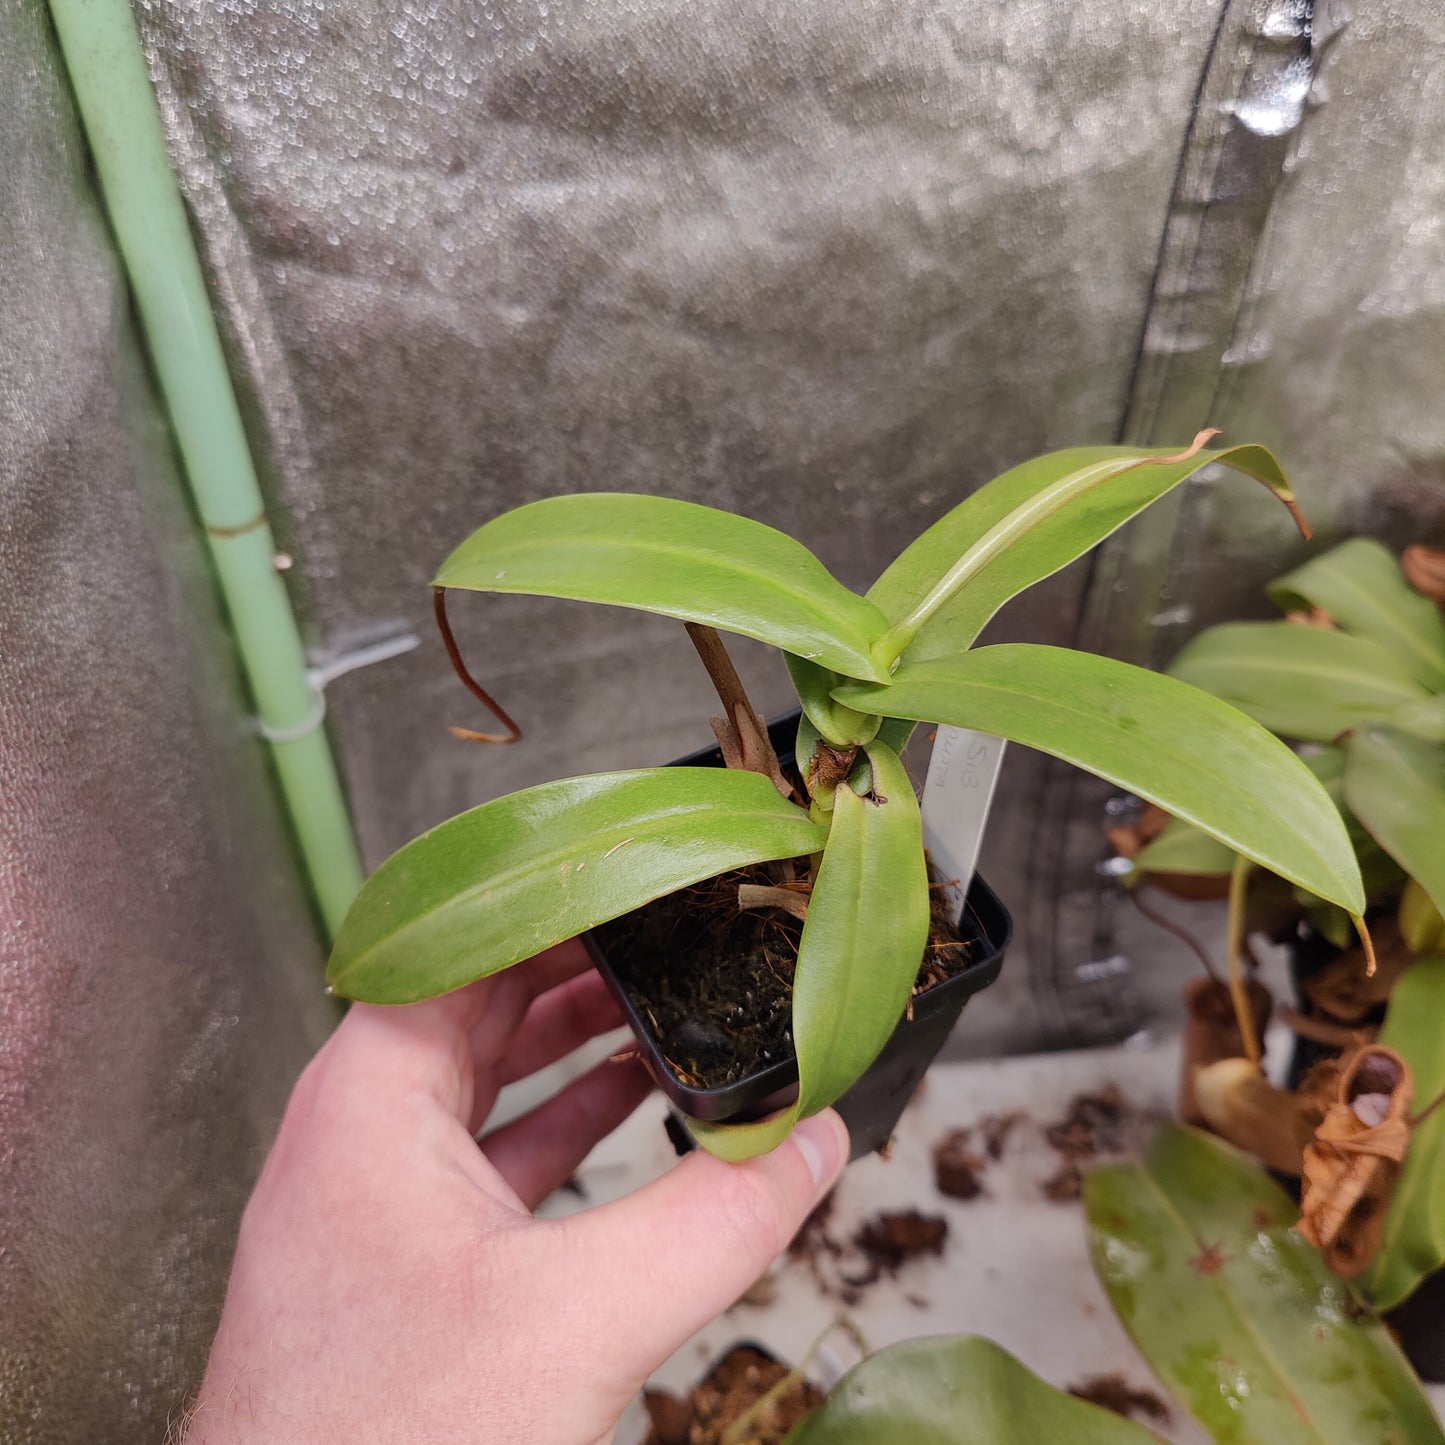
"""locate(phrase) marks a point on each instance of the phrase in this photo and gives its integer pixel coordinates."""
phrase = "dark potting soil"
(732, 1387)
(716, 982)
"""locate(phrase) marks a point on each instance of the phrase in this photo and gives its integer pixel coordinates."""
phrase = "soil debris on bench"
(957, 1170)
(995, 1130)
(1114, 1392)
(1099, 1124)
(890, 1239)
(813, 1239)
(962, 1155)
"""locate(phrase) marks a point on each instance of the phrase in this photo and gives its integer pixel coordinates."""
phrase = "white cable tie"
(324, 674)
(320, 677)
(307, 725)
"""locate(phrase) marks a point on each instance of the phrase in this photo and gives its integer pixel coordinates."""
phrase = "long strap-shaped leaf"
(1024, 526)
(956, 1390)
(1414, 1241)
(1235, 1313)
(1301, 682)
(1359, 584)
(679, 559)
(1193, 755)
(1395, 786)
(495, 885)
(862, 943)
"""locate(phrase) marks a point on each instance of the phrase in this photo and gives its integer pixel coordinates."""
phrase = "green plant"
(1359, 676)
(955, 1390)
(1238, 1317)
(494, 885)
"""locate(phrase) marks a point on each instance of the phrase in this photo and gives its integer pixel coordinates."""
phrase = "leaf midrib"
(1191, 763)
(810, 600)
(1237, 1311)
(494, 881)
(1391, 686)
(838, 1014)
(1391, 625)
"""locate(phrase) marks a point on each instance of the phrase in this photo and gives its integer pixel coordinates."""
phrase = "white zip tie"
(322, 675)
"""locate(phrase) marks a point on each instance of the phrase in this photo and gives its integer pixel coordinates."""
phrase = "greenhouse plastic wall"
(831, 264)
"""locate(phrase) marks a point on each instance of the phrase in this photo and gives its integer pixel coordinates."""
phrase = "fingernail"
(823, 1143)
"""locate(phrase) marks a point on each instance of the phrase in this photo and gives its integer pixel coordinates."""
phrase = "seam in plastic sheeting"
(1249, 106)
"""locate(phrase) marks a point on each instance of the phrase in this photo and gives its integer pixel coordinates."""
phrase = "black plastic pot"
(872, 1107)
(1309, 952)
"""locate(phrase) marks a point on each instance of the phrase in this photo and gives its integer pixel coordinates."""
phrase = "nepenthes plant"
(496, 884)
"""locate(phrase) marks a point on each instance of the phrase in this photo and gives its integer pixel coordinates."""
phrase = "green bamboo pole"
(117, 107)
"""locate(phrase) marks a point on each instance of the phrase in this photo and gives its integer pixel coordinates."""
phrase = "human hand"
(390, 1283)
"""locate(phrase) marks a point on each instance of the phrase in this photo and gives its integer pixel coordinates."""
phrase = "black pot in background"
(1309, 952)
(873, 1106)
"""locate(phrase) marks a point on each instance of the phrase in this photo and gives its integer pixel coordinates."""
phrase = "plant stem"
(741, 732)
(1169, 926)
(1234, 958)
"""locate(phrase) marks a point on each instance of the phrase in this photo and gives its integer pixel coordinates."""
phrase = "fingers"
(541, 1150)
(557, 1022)
(435, 1045)
(667, 1259)
(490, 1022)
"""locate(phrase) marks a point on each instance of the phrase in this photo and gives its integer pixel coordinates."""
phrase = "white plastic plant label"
(957, 794)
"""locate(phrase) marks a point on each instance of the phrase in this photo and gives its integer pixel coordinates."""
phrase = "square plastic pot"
(873, 1106)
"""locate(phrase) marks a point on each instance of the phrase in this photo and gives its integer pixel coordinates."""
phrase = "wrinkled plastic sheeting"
(1299, 299)
(830, 264)
(158, 967)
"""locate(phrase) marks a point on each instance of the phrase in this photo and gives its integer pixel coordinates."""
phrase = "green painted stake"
(117, 107)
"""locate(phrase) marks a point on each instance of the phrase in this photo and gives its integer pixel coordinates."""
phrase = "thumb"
(678, 1252)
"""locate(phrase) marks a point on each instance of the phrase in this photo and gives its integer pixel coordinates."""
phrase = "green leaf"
(895, 733)
(1422, 719)
(1182, 848)
(1024, 526)
(1379, 872)
(1194, 756)
(956, 1390)
(1422, 926)
(1395, 786)
(497, 884)
(839, 725)
(1414, 1238)
(864, 938)
(1235, 1313)
(862, 944)
(1300, 682)
(1331, 923)
(1359, 584)
(679, 559)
